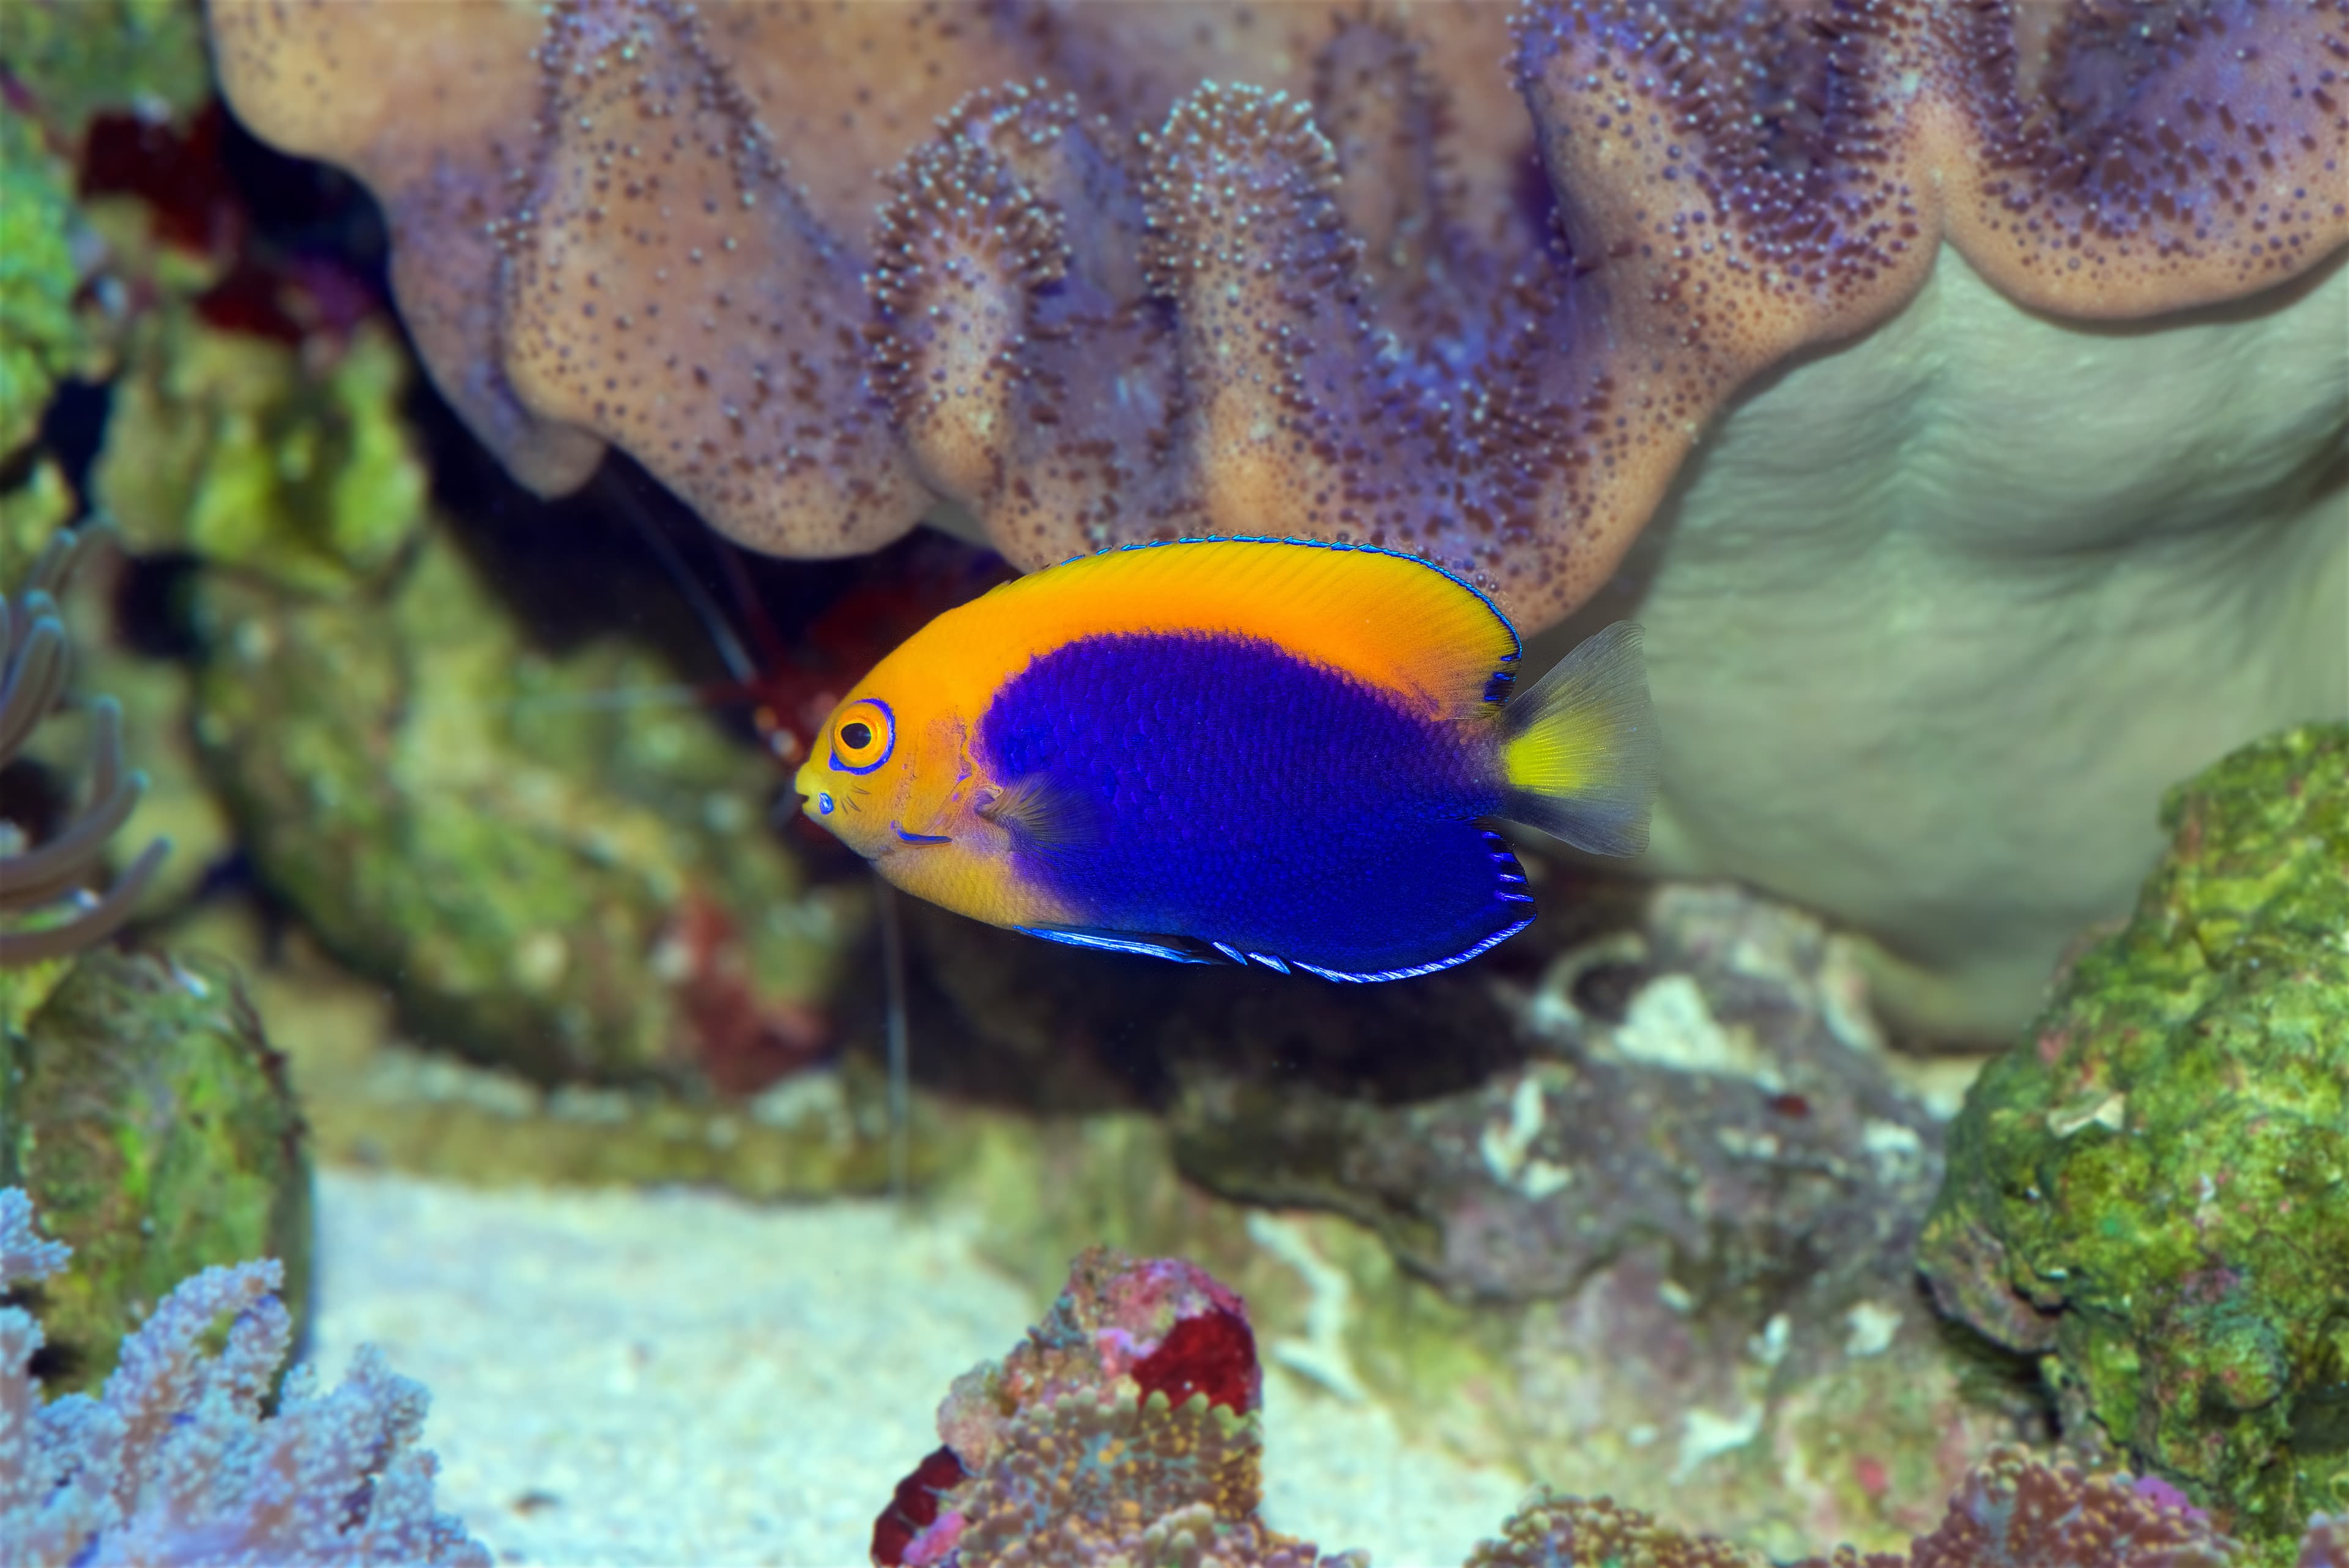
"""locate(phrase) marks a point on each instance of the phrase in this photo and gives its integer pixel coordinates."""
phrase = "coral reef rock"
(550, 880)
(144, 1111)
(174, 1461)
(1123, 1431)
(41, 337)
(2011, 1511)
(71, 61)
(288, 462)
(1711, 1088)
(2152, 1192)
(1641, 1199)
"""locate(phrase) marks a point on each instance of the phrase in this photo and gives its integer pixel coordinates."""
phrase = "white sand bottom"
(678, 1377)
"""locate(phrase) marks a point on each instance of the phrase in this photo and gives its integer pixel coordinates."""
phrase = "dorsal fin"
(1392, 620)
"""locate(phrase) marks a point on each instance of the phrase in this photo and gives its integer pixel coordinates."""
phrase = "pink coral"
(1555, 1532)
(2013, 1510)
(1124, 1428)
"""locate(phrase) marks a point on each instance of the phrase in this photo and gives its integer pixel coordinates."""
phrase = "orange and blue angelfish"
(1252, 751)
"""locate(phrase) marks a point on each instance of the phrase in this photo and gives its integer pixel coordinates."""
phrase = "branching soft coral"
(175, 1463)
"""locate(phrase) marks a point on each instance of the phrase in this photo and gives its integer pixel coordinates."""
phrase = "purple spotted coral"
(1124, 1428)
(175, 1461)
(2010, 1511)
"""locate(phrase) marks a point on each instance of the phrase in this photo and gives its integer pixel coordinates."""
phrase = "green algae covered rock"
(2153, 1192)
(274, 459)
(75, 58)
(66, 60)
(151, 1122)
(549, 877)
(37, 502)
(41, 336)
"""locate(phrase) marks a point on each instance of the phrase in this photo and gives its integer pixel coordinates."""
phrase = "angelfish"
(1249, 751)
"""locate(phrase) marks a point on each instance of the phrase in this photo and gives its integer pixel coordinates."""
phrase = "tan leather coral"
(1107, 272)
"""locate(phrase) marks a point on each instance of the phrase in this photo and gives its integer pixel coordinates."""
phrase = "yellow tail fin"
(1578, 747)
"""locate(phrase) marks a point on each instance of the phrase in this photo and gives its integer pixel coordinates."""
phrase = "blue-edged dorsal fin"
(1178, 950)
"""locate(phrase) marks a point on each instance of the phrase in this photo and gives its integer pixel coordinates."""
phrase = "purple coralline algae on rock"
(1123, 1431)
(1695, 1198)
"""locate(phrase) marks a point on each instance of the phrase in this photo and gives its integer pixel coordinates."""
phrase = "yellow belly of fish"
(974, 881)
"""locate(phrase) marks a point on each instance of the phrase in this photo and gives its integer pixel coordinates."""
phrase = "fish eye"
(864, 736)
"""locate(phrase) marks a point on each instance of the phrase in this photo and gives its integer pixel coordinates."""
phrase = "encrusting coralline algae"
(2150, 1192)
(1124, 1429)
(175, 1461)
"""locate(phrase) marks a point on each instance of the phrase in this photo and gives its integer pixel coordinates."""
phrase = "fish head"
(890, 771)
(894, 776)
(866, 776)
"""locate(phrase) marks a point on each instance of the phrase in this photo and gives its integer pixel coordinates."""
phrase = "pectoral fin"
(1044, 813)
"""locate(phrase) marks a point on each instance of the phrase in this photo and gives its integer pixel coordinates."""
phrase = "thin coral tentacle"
(36, 664)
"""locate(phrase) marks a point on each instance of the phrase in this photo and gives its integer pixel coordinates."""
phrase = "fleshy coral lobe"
(1308, 291)
(624, 310)
(2129, 160)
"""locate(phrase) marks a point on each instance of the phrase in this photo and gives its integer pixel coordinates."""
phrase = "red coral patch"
(914, 1507)
(178, 172)
(1212, 1353)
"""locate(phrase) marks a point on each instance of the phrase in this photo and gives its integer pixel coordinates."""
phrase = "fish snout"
(815, 801)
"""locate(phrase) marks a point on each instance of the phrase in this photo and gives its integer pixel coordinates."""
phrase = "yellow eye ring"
(864, 733)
